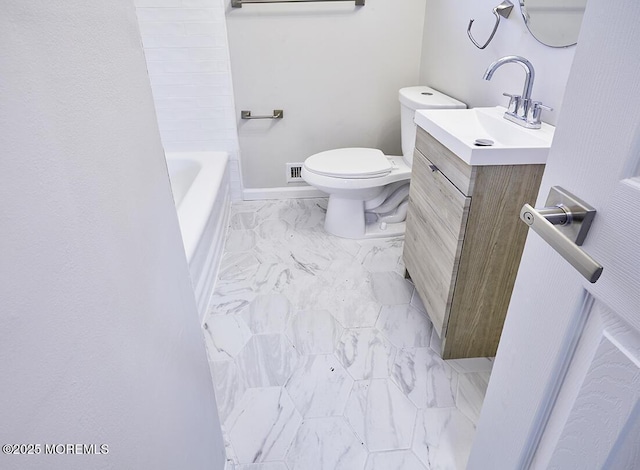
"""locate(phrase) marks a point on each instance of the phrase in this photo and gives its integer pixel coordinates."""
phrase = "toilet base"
(375, 230)
(345, 218)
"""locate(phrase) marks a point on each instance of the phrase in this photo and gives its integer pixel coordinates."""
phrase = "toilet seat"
(349, 163)
(399, 171)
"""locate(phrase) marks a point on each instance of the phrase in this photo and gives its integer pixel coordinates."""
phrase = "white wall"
(100, 342)
(453, 65)
(334, 68)
(185, 44)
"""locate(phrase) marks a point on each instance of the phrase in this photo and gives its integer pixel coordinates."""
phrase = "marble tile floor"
(322, 355)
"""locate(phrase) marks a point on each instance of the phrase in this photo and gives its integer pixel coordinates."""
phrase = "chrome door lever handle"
(564, 224)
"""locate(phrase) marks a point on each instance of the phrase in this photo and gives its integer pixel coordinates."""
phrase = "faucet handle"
(514, 103)
(539, 105)
(535, 111)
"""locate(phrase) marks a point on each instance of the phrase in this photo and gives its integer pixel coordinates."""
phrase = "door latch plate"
(581, 212)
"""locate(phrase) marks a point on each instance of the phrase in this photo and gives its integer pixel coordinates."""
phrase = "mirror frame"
(526, 17)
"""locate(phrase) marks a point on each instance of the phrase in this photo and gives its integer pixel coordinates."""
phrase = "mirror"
(555, 23)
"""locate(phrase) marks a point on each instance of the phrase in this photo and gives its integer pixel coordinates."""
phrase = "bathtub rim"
(199, 200)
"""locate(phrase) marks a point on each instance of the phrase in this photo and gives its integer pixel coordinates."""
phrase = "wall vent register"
(294, 172)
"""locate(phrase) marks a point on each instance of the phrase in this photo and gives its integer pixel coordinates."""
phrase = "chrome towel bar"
(277, 114)
(239, 3)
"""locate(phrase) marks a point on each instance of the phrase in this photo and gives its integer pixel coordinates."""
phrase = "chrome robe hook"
(503, 10)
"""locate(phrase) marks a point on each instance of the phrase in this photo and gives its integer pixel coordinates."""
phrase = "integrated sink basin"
(459, 129)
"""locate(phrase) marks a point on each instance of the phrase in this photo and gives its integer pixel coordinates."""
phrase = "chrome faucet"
(521, 109)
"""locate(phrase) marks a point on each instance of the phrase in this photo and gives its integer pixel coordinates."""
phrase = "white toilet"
(368, 191)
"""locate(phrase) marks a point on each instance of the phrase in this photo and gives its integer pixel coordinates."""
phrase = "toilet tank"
(419, 97)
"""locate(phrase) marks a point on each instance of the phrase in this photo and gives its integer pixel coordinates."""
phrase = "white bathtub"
(200, 185)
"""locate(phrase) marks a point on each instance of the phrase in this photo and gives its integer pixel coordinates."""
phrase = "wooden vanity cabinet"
(463, 243)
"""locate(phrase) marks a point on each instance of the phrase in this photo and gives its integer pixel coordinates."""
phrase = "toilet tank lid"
(424, 97)
(349, 163)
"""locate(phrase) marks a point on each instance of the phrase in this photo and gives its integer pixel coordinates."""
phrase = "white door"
(565, 388)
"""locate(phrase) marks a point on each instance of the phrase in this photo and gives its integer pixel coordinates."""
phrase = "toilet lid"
(349, 163)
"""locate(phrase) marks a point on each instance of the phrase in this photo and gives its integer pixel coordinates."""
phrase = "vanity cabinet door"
(456, 171)
(436, 222)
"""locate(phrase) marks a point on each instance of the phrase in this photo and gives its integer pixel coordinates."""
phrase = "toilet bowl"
(368, 190)
(355, 178)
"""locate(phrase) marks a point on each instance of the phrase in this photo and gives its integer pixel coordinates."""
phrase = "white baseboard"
(297, 192)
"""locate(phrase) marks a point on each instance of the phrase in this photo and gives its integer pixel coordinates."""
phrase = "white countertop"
(457, 129)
